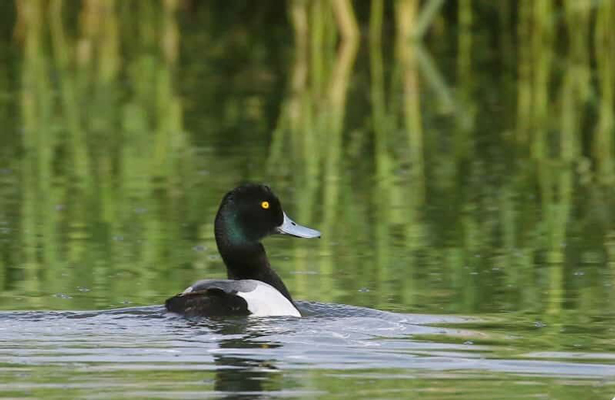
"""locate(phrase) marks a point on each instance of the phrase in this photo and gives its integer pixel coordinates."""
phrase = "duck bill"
(290, 227)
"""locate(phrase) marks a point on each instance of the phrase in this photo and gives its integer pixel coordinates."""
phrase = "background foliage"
(457, 155)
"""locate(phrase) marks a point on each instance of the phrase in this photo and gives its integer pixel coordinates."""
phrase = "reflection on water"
(121, 150)
(242, 376)
(470, 173)
(333, 353)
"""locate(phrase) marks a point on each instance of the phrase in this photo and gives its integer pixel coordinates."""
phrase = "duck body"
(246, 215)
(225, 297)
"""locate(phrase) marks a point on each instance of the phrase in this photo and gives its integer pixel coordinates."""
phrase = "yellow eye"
(265, 204)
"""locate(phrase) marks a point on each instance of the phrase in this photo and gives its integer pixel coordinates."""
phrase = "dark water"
(463, 186)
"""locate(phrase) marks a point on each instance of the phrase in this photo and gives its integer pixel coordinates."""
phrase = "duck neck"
(246, 259)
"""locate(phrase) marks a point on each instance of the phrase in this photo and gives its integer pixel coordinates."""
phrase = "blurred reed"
(552, 99)
(377, 128)
(90, 168)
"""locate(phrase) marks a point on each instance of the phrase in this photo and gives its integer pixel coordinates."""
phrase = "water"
(463, 187)
(336, 351)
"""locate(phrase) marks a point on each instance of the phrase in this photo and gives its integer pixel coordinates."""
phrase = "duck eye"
(265, 205)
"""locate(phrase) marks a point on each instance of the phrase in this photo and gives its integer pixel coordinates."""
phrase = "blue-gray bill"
(290, 227)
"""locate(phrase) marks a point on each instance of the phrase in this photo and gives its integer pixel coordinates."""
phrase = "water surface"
(334, 352)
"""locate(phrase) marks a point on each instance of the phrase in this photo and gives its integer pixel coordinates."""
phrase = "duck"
(247, 214)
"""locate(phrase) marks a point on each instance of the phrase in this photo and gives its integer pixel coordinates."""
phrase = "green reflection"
(459, 174)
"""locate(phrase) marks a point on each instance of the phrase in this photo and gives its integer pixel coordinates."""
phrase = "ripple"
(130, 342)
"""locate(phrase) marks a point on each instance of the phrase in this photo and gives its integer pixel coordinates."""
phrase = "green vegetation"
(457, 156)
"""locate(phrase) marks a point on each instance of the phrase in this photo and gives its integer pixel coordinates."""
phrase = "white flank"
(266, 301)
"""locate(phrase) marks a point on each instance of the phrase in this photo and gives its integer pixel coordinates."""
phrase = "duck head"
(251, 212)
